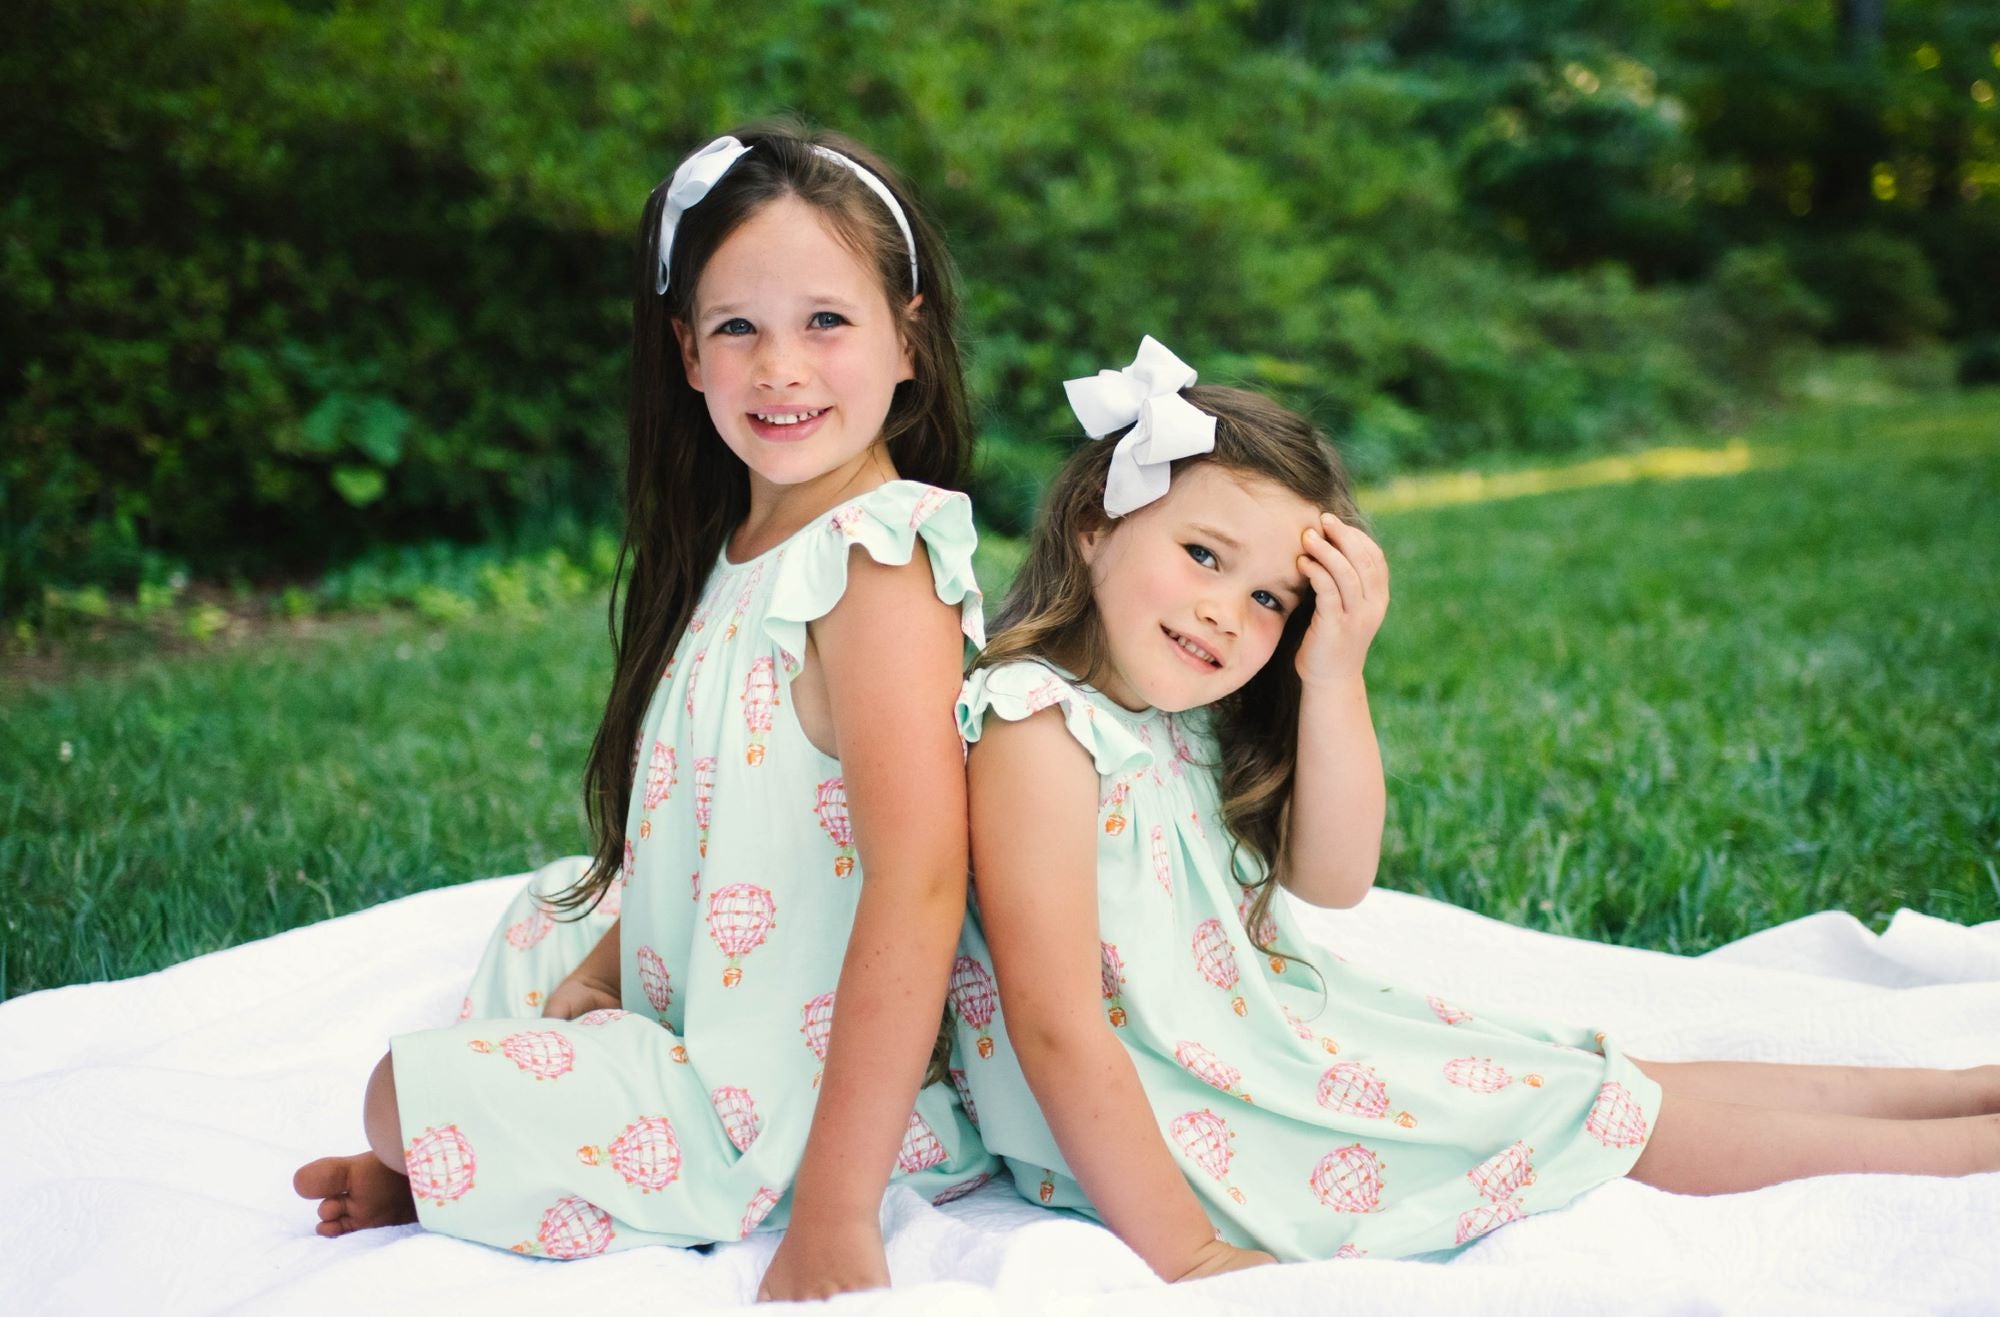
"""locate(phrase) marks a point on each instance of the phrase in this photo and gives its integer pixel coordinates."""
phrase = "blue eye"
(735, 327)
(1269, 600)
(1200, 554)
(827, 320)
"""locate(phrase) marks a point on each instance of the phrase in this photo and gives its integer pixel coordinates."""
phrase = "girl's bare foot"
(355, 1193)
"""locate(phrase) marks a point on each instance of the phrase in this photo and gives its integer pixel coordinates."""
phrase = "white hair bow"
(696, 175)
(1146, 396)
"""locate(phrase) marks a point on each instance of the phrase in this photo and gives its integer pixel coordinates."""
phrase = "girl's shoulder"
(887, 523)
(1021, 688)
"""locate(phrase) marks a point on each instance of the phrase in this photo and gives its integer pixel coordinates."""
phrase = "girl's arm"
(592, 985)
(1334, 842)
(890, 654)
(1034, 797)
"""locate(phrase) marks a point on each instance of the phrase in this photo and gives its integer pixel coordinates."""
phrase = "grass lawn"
(1661, 703)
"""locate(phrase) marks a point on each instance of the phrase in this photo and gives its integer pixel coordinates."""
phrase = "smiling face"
(794, 348)
(1192, 590)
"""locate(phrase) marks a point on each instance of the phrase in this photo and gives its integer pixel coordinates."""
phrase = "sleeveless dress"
(1317, 1109)
(681, 1118)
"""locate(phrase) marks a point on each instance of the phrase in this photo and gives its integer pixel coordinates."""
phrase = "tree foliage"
(280, 280)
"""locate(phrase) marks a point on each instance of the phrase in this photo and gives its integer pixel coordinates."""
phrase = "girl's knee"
(380, 1118)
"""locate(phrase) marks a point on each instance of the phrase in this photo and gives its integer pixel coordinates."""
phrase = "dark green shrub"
(1979, 360)
(1878, 288)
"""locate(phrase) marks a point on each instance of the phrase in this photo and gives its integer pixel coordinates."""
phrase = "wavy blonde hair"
(1050, 612)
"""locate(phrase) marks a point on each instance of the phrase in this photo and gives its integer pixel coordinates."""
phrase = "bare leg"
(1879, 1091)
(1700, 1146)
(365, 1189)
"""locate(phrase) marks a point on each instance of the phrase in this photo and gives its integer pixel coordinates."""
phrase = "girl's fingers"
(1336, 565)
(1359, 549)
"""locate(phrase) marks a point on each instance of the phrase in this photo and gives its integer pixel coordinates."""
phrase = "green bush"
(1878, 288)
(283, 281)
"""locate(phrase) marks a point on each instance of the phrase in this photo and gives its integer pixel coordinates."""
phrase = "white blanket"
(149, 1129)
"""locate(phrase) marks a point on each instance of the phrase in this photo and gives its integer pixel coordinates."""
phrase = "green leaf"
(359, 485)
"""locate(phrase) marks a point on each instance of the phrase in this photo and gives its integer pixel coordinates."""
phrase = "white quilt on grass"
(149, 1128)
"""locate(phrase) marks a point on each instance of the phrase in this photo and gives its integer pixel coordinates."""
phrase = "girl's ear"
(1090, 540)
(909, 364)
(690, 359)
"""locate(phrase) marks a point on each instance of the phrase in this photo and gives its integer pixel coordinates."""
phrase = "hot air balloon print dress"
(1362, 1119)
(681, 1117)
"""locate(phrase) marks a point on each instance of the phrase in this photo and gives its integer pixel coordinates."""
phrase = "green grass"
(1661, 713)
(1671, 713)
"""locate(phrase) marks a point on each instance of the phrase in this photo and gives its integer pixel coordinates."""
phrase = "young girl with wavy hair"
(719, 1023)
(1170, 723)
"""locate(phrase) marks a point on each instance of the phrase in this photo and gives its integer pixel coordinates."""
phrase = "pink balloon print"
(1354, 1089)
(602, 1015)
(704, 796)
(818, 1024)
(1348, 1179)
(1616, 1119)
(661, 775)
(1163, 868)
(830, 804)
(531, 930)
(760, 696)
(740, 917)
(1209, 1068)
(1113, 971)
(972, 994)
(958, 1082)
(1205, 1138)
(657, 984)
(1480, 1074)
(694, 676)
(738, 1111)
(759, 1207)
(1445, 1011)
(921, 1148)
(1504, 1174)
(573, 1228)
(1486, 1217)
(1216, 960)
(647, 1155)
(440, 1164)
(543, 1053)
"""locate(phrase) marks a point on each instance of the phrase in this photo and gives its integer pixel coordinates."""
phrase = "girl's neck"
(778, 512)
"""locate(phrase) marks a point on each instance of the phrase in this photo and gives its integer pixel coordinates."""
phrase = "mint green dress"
(681, 1117)
(1317, 1109)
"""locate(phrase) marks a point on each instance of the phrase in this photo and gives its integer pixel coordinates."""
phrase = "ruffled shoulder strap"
(1022, 688)
(887, 522)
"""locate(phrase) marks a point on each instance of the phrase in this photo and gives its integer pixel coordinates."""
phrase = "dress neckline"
(723, 559)
(1097, 697)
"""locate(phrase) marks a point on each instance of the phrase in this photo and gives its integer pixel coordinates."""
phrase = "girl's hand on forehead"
(1350, 581)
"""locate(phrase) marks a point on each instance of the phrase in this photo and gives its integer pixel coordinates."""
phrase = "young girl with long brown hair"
(1171, 721)
(720, 1023)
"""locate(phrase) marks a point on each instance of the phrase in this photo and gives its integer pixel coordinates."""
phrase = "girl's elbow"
(1044, 1036)
(1342, 890)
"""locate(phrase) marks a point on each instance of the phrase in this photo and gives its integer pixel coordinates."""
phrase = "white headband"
(1146, 396)
(705, 168)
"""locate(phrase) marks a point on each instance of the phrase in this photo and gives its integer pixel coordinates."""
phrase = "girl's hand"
(1217, 1257)
(579, 995)
(818, 1261)
(1350, 581)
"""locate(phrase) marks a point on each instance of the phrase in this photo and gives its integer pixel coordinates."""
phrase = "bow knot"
(1165, 426)
(691, 182)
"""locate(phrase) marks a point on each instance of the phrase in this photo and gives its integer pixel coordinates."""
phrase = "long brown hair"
(684, 490)
(1050, 613)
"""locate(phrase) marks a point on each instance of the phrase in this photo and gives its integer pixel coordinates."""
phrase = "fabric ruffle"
(887, 522)
(1023, 688)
